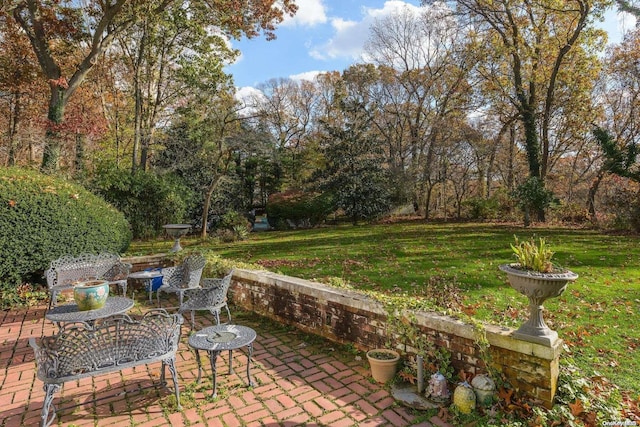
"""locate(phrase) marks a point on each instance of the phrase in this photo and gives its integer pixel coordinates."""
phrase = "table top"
(145, 274)
(222, 337)
(70, 312)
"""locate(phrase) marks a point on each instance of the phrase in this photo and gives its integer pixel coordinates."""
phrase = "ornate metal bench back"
(79, 350)
(66, 270)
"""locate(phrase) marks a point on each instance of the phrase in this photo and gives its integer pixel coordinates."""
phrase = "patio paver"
(297, 383)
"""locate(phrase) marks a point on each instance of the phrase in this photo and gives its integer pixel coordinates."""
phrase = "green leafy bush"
(531, 196)
(147, 200)
(481, 208)
(43, 218)
(233, 227)
(298, 207)
(233, 219)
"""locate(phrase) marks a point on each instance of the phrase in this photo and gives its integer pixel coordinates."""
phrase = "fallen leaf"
(443, 414)
(505, 395)
(576, 408)
(590, 419)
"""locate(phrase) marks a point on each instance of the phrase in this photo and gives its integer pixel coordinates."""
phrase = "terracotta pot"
(384, 364)
(91, 295)
(538, 287)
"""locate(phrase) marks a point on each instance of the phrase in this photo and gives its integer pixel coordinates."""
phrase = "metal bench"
(65, 271)
(80, 350)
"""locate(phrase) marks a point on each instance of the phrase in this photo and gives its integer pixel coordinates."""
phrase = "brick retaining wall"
(140, 263)
(349, 317)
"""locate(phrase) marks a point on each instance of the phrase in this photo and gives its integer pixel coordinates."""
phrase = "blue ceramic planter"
(91, 295)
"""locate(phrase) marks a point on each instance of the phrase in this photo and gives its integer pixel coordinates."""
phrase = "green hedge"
(297, 206)
(148, 200)
(43, 218)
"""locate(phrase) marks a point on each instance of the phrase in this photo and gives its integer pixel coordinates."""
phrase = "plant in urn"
(536, 277)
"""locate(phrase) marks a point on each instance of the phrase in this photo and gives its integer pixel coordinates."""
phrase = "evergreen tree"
(355, 172)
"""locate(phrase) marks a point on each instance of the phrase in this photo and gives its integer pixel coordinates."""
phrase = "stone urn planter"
(384, 363)
(538, 287)
(176, 231)
(91, 295)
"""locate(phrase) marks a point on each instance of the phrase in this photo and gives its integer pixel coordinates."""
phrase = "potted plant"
(91, 294)
(384, 363)
(536, 277)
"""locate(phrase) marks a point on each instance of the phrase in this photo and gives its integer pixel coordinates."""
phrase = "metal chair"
(211, 296)
(182, 277)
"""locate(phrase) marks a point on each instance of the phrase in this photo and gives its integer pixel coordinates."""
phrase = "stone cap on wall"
(498, 336)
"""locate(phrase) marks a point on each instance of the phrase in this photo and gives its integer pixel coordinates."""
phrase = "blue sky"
(327, 35)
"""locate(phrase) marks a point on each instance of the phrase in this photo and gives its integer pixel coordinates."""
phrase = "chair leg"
(46, 418)
(228, 313)
(54, 299)
(171, 364)
(193, 319)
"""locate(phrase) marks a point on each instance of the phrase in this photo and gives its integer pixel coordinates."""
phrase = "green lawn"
(597, 317)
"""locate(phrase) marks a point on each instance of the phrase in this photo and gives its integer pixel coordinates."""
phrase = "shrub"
(298, 207)
(532, 195)
(233, 226)
(572, 212)
(225, 235)
(43, 218)
(622, 201)
(147, 200)
(233, 219)
(481, 208)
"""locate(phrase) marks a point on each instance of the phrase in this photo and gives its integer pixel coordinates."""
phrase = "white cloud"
(350, 36)
(308, 75)
(310, 13)
(248, 95)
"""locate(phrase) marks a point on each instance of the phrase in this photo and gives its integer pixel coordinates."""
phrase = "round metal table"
(70, 312)
(215, 339)
(147, 277)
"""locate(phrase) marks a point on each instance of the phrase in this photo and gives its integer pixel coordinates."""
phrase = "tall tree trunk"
(206, 204)
(144, 150)
(427, 201)
(135, 162)
(14, 121)
(209, 193)
(79, 164)
(532, 144)
(511, 178)
(591, 197)
(53, 137)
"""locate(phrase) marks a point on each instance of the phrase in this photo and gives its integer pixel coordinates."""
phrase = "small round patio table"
(70, 312)
(215, 339)
(147, 277)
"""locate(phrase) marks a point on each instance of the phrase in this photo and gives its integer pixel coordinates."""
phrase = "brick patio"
(300, 380)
